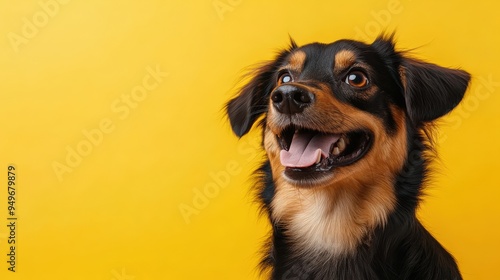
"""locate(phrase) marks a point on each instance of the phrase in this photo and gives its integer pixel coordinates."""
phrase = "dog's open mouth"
(306, 152)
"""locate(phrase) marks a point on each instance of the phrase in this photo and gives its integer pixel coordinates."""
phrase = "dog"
(346, 128)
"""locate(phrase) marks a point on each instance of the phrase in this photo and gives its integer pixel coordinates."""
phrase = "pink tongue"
(306, 148)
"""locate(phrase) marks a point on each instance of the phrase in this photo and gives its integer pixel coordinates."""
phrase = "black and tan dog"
(346, 132)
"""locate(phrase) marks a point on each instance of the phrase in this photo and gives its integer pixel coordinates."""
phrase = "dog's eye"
(356, 79)
(285, 78)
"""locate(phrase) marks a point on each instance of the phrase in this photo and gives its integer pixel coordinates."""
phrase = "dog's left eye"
(285, 78)
(356, 79)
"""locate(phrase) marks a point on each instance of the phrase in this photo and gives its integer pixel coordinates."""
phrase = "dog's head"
(343, 110)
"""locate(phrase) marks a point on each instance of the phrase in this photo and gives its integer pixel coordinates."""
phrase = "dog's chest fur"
(328, 221)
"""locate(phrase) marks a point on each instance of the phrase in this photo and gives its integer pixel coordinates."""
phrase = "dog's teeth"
(341, 144)
(319, 158)
(332, 146)
(346, 139)
(336, 151)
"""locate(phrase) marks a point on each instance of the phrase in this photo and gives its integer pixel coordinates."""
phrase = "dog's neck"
(332, 220)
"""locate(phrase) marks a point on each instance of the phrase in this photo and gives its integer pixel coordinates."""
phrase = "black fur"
(402, 248)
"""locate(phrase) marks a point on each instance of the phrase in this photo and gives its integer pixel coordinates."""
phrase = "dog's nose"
(289, 99)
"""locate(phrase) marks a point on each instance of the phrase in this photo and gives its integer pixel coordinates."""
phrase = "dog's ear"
(431, 91)
(252, 99)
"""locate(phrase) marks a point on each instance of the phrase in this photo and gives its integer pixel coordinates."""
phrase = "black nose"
(289, 99)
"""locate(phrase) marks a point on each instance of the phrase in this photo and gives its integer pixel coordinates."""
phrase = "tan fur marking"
(344, 59)
(337, 214)
(297, 60)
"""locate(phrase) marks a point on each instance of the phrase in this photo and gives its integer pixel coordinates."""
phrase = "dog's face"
(342, 110)
(343, 124)
(333, 114)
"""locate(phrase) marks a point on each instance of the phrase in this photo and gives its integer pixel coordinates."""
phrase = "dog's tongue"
(306, 148)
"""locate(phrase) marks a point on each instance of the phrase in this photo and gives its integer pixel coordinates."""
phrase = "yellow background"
(117, 215)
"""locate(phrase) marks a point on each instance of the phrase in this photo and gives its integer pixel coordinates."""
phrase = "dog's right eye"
(356, 79)
(285, 78)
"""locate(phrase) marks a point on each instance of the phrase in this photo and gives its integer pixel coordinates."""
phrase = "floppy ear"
(431, 91)
(252, 99)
